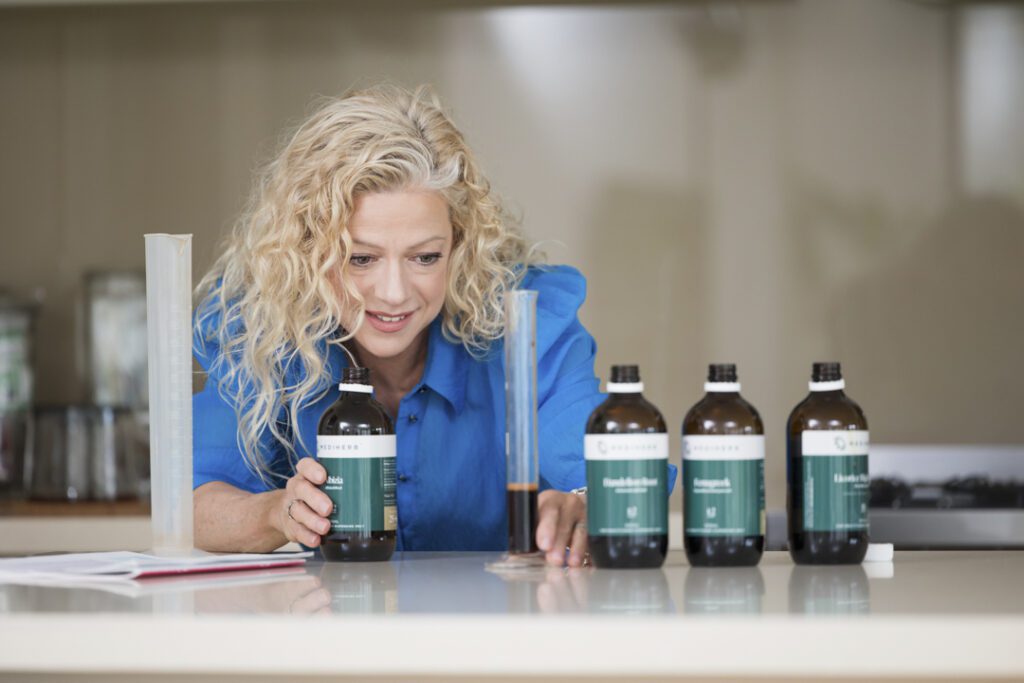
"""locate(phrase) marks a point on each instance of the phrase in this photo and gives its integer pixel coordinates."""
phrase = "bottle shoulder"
(729, 414)
(632, 415)
(346, 417)
(827, 411)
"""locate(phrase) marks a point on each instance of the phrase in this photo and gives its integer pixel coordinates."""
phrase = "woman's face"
(401, 243)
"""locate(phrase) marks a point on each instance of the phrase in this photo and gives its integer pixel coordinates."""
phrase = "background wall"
(769, 183)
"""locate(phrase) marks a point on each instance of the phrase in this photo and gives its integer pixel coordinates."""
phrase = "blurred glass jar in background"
(15, 391)
(80, 453)
(114, 453)
(115, 340)
(58, 453)
(115, 350)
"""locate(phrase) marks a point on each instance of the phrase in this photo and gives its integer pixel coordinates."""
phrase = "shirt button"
(402, 477)
(413, 418)
(422, 390)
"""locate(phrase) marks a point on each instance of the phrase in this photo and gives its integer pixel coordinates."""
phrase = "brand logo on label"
(335, 479)
(340, 446)
(629, 447)
(710, 448)
(631, 512)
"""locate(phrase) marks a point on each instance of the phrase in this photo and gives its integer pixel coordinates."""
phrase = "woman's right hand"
(305, 508)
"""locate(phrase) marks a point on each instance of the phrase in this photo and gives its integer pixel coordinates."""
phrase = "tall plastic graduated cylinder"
(169, 330)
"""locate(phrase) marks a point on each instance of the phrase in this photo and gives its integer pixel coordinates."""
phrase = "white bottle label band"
(722, 386)
(625, 446)
(624, 387)
(728, 447)
(827, 386)
(358, 388)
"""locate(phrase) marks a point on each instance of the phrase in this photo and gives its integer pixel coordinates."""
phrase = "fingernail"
(543, 542)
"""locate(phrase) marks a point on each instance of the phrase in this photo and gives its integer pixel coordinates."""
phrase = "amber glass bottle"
(626, 447)
(827, 473)
(723, 476)
(356, 444)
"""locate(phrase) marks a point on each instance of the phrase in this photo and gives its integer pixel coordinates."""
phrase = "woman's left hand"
(562, 523)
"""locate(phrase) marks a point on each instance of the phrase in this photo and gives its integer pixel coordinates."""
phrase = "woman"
(374, 229)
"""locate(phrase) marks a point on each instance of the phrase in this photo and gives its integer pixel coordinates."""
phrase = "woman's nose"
(393, 289)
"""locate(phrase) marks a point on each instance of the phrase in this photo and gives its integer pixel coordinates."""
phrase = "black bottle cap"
(625, 374)
(722, 372)
(826, 372)
(355, 375)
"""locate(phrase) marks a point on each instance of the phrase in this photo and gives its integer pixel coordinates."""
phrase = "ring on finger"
(288, 509)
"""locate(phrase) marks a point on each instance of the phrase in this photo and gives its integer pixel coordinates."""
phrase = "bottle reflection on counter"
(629, 591)
(829, 590)
(729, 590)
(521, 500)
(361, 588)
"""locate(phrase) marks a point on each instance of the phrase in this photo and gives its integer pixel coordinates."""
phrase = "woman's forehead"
(402, 219)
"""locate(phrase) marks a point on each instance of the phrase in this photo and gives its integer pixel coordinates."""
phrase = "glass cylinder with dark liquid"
(521, 500)
(522, 471)
(626, 449)
(356, 445)
(723, 476)
(827, 473)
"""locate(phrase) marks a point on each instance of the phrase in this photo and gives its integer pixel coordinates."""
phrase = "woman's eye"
(361, 261)
(428, 259)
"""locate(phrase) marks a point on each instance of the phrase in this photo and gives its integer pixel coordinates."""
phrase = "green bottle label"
(627, 484)
(723, 485)
(360, 482)
(836, 481)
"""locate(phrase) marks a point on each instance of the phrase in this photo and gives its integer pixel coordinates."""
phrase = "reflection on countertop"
(955, 583)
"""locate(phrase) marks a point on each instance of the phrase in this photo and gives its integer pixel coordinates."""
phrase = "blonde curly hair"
(275, 298)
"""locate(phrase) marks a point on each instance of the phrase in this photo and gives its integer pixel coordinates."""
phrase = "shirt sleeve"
(567, 388)
(216, 448)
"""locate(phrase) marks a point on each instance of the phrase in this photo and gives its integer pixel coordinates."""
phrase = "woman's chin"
(384, 346)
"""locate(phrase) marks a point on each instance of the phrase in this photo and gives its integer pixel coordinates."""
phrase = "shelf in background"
(87, 508)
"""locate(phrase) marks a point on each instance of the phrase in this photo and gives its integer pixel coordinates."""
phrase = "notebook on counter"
(120, 565)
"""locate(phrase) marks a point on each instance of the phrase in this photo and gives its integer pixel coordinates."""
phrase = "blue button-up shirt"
(450, 427)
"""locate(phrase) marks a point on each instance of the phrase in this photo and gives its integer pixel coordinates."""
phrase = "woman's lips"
(383, 322)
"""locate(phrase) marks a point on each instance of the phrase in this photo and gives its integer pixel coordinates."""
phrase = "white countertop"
(930, 614)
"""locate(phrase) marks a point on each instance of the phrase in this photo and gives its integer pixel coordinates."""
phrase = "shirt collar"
(445, 369)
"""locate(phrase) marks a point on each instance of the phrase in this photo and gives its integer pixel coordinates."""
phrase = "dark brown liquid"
(355, 414)
(521, 500)
(377, 546)
(821, 410)
(627, 414)
(723, 413)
